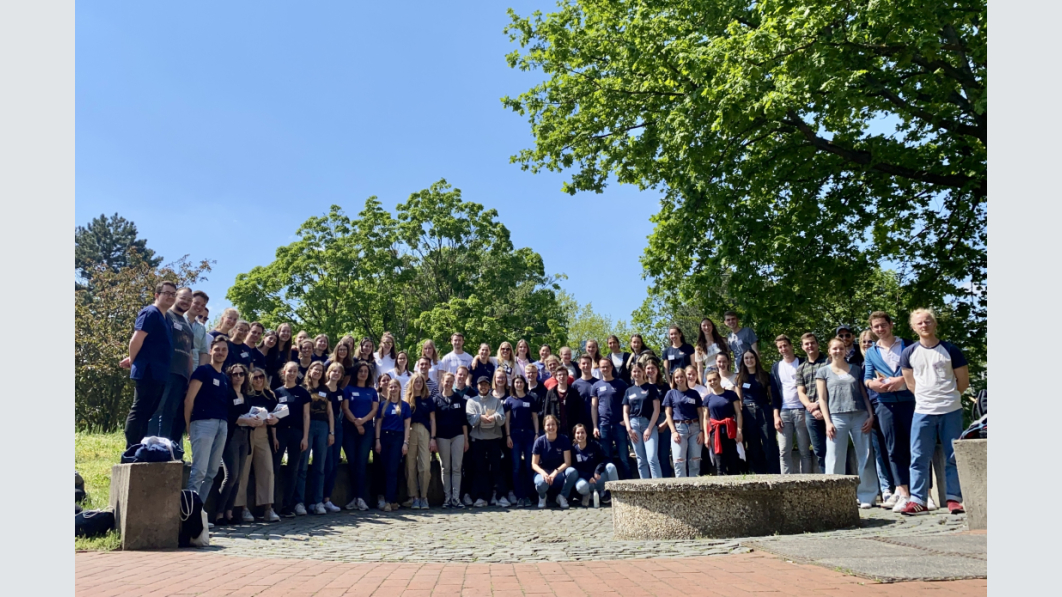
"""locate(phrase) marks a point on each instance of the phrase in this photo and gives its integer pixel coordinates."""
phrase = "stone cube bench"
(736, 506)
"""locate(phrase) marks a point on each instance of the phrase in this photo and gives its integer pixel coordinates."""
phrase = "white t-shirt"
(936, 391)
(727, 381)
(787, 374)
(891, 355)
(384, 364)
(402, 379)
(703, 391)
(617, 359)
(452, 361)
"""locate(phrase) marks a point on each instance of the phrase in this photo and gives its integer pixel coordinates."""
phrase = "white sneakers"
(504, 503)
(247, 516)
(300, 510)
(890, 501)
(352, 504)
(901, 503)
(562, 502)
(541, 502)
(271, 516)
(362, 505)
(330, 507)
(930, 504)
(381, 503)
(480, 503)
(512, 497)
(597, 499)
(319, 508)
(866, 506)
(467, 501)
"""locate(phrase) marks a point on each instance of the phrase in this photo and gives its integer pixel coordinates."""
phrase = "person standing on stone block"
(938, 374)
(846, 410)
(293, 438)
(683, 405)
(789, 412)
(641, 411)
(150, 351)
(808, 392)
(261, 457)
(360, 405)
(753, 387)
(721, 414)
(206, 415)
(895, 405)
(184, 360)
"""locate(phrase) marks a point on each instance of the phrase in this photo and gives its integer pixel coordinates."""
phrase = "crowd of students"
(547, 429)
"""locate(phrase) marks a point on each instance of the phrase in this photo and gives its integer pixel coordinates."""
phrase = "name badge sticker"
(217, 382)
(237, 401)
(283, 398)
(322, 394)
(671, 357)
(245, 354)
(177, 326)
(746, 386)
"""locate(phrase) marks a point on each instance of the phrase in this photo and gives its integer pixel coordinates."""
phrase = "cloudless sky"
(219, 128)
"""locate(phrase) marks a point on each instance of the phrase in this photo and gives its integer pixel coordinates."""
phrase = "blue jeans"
(687, 453)
(332, 466)
(817, 435)
(391, 455)
(663, 452)
(564, 481)
(881, 461)
(523, 442)
(648, 462)
(318, 443)
(849, 425)
(357, 448)
(207, 437)
(585, 486)
(614, 445)
(170, 408)
(895, 419)
(925, 431)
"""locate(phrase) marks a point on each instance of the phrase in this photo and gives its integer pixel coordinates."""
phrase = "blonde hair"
(412, 394)
(512, 355)
(338, 367)
(434, 351)
(923, 311)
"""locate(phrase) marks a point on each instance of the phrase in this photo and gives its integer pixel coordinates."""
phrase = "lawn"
(94, 455)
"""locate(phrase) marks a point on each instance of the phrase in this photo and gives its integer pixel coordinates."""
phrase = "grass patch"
(94, 455)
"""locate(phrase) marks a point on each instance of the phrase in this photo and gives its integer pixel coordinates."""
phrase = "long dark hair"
(284, 347)
(702, 340)
(357, 369)
(761, 376)
(682, 337)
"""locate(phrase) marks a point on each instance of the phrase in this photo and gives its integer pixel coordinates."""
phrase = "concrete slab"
(974, 545)
(910, 568)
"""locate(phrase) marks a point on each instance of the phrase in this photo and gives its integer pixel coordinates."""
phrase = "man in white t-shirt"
(789, 411)
(937, 373)
(456, 357)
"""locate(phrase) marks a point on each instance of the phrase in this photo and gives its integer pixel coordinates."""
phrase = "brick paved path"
(186, 572)
(492, 535)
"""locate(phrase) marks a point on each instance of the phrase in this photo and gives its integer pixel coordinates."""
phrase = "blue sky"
(218, 128)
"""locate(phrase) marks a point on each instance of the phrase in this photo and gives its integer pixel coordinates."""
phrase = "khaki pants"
(418, 461)
(262, 460)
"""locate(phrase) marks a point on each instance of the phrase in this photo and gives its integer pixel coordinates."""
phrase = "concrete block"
(971, 458)
(146, 498)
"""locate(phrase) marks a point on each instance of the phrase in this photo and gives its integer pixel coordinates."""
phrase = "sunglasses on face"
(238, 374)
(844, 335)
(257, 377)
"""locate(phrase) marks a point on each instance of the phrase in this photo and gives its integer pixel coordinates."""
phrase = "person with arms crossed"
(809, 396)
(937, 373)
(451, 438)
(877, 439)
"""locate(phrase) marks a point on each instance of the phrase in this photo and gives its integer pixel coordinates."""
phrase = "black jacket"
(574, 410)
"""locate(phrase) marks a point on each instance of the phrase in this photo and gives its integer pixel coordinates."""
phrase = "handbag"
(194, 532)
(93, 523)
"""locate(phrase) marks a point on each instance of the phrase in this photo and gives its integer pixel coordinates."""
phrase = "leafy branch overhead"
(797, 144)
(438, 265)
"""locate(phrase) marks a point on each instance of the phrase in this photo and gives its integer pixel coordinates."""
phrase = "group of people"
(555, 428)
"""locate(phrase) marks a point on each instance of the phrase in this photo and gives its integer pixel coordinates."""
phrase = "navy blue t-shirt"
(393, 415)
(212, 399)
(482, 370)
(586, 461)
(753, 391)
(295, 398)
(551, 453)
(678, 357)
(361, 400)
(585, 389)
(521, 409)
(609, 401)
(422, 414)
(239, 353)
(640, 399)
(683, 404)
(153, 360)
(450, 419)
(720, 406)
(259, 360)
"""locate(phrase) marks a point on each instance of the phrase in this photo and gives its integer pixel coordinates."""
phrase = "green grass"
(94, 455)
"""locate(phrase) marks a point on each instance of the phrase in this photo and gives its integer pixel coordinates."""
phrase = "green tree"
(797, 144)
(586, 324)
(111, 243)
(440, 265)
(103, 322)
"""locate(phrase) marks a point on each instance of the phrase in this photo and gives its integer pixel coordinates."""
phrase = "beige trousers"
(418, 461)
(262, 461)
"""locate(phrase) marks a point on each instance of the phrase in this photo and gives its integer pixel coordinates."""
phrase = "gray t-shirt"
(842, 391)
(183, 345)
(740, 342)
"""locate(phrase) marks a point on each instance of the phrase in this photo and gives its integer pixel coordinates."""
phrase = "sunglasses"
(844, 335)
(238, 374)
(257, 377)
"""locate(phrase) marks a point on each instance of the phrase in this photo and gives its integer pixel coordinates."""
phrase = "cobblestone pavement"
(494, 535)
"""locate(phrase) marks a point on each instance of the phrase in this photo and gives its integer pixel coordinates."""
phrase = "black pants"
(290, 439)
(146, 399)
(761, 441)
(725, 463)
(486, 453)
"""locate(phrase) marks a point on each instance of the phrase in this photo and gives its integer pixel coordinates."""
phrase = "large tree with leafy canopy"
(798, 144)
(439, 265)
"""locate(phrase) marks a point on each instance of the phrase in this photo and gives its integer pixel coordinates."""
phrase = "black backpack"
(93, 523)
(191, 517)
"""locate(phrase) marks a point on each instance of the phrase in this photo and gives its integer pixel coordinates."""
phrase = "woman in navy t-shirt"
(722, 419)
(588, 460)
(206, 416)
(359, 432)
(641, 411)
(655, 377)
(521, 428)
(682, 405)
(292, 434)
(680, 354)
(552, 460)
(421, 440)
(392, 440)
